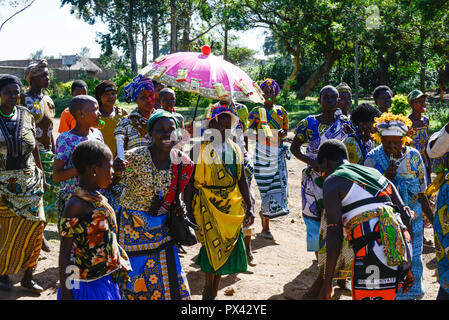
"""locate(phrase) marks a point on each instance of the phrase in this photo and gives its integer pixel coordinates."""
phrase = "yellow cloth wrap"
(436, 184)
(217, 207)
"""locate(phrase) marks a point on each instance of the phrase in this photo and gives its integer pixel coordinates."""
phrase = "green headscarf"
(158, 114)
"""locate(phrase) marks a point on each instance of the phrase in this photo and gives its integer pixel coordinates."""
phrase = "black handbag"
(181, 228)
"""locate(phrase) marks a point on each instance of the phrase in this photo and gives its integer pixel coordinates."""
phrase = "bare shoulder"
(336, 185)
(76, 207)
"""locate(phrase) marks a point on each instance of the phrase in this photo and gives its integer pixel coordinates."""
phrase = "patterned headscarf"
(218, 109)
(389, 124)
(140, 82)
(271, 83)
(35, 70)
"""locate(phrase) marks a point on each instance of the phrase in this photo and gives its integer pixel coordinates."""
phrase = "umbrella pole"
(196, 108)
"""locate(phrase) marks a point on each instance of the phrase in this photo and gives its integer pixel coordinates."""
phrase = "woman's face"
(384, 100)
(168, 101)
(10, 95)
(79, 91)
(109, 97)
(42, 81)
(419, 105)
(344, 102)
(392, 145)
(328, 100)
(269, 93)
(104, 173)
(145, 101)
(221, 123)
(161, 134)
(90, 115)
(366, 129)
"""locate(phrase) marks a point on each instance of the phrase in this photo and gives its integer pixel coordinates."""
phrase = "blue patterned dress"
(441, 233)
(409, 181)
(313, 132)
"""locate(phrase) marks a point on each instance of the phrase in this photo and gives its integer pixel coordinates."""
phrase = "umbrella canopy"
(204, 74)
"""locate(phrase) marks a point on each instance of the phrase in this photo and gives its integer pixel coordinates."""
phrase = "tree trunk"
(296, 53)
(318, 73)
(187, 15)
(173, 27)
(144, 48)
(226, 40)
(130, 35)
(155, 31)
(446, 75)
(383, 69)
(422, 60)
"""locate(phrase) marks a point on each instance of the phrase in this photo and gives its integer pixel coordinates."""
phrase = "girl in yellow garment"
(214, 200)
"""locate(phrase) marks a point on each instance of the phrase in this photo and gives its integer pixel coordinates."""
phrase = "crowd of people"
(372, 182)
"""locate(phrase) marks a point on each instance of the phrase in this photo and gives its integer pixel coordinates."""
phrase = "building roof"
(82, 63)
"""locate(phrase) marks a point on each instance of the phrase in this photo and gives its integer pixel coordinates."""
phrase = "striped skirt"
(270, 172)
(20, 241)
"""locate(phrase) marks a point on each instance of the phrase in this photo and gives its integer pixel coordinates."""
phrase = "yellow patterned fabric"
(20, 241)
(218, 206)
(22, 190)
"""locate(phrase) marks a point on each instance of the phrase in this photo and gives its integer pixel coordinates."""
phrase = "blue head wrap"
(140, 82)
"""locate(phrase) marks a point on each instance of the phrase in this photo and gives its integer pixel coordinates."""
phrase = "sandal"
(32, 285)
(5, 283)
(250, 259)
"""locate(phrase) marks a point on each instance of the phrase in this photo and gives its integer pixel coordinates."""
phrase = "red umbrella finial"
(206, 50)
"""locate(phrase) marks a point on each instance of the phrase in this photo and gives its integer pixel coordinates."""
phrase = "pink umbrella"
(204, 74)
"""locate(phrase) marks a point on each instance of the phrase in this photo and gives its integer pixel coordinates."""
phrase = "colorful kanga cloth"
(313, 132)
(420, 137)
(357, 148)
(20, 241)
(17, 140)
(65, 145)
(95, 251)
(51, 192)
(134, 128)
(262, 119)
(43, 110)
(217, 205)
(381, 253)
(140, 189)
(271, 175)
(343, 267)
(22, 190)
(409, 181)
(144, 234)
(441, 235)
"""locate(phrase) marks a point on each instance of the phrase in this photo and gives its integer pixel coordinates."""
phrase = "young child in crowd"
(87, 115)
(88, 230)
(167, 98)
(67, 121)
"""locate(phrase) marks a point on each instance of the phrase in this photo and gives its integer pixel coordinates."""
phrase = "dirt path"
(284, 269)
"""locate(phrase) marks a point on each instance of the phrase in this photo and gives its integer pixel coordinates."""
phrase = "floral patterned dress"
(65, 144)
